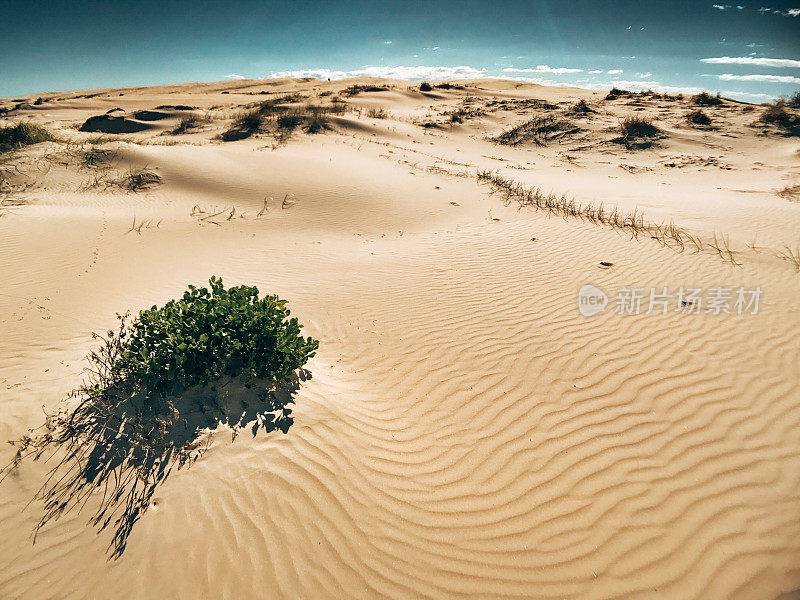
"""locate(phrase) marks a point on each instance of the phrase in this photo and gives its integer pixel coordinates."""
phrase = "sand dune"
(467, 433)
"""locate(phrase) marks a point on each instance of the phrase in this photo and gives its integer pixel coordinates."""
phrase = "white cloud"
(615, 71)
(387, 42)
(750, 60)
(789, 12)
(596, 71)
(398, 72)
(644, 75)
(721, 6)
(543, 69)
(234, 76)
(770, 78)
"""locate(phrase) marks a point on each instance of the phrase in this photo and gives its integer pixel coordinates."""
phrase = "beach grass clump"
(698, 117)
(706, 99)
(617, 93)
(581, 107)
(24, 133)
(637, 132)
(539, 129)
(189, 123)
(356, 89)
(425, 87)
(776, 114)
(244, 125)
(377, 113)
(794, 100)
(157, 387)
(138, 180)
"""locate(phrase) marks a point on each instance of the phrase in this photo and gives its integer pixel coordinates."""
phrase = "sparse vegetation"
(616, 93)
(794, 101)
(190, 122)
(24, 133)
(377, 113)
(706, 99)
(637, 132)
(581, 107)
(539, 129)
(156, 387)
(353, 90)
(286, 115)
(425, 87)
(138, 180)
(776, 114)
(668, 235)
(698, 117)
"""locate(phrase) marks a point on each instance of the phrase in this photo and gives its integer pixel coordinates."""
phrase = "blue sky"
(750, 51)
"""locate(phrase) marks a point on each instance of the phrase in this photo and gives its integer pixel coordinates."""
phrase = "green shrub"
(209, 334)
(425, 87)
(156, 388)
(13, 137)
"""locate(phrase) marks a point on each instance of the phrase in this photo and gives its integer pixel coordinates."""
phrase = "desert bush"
(425, 87)
(794, 101)
(706, 99)
(14, 137)
(698, 117)
(154, 385)
(209, 334)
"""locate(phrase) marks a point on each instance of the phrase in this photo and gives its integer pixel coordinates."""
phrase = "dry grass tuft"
(706, 99)
(190, 123)
(539, 129)
(667, 235)
(698, 117)
(377, 113)
(138, 180)
(14, 137)
(776, 114)
(638, 132)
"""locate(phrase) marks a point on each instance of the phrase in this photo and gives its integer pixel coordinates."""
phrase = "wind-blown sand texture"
(466, 433)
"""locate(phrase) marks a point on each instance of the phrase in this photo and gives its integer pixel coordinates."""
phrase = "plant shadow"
(124, 446)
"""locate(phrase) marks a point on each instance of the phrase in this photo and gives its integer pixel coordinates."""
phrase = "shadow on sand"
(122, 447)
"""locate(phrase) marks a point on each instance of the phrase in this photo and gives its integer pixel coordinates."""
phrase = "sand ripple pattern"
(475, 437)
